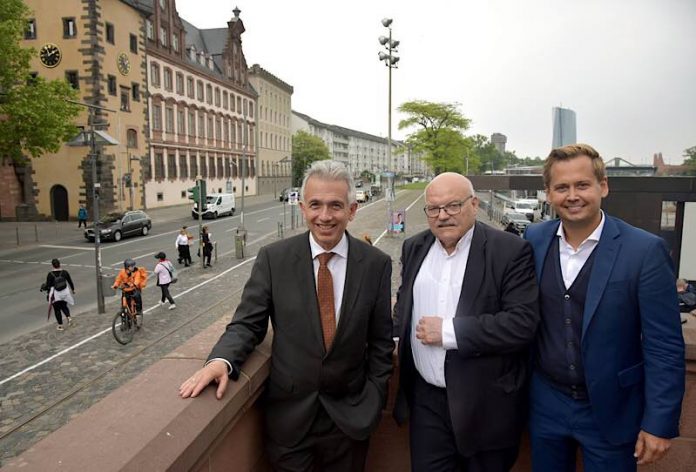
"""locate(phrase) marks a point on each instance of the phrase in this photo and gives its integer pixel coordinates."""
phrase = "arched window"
(131, 138)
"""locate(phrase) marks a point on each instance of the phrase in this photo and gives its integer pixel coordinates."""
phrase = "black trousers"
(184, 254)
(207, 252)
(165, 294)
(325, 448)
(60, 308)
(432, 441)
(81, 222)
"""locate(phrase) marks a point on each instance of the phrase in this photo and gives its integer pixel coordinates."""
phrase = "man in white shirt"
(466, 314)
(328, 298)
(609, 357)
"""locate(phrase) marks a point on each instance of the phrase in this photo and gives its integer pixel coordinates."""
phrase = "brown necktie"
(325, 297)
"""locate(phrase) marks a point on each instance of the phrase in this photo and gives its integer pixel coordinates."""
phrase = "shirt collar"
(463, 241)
(594, 236)
(340, 249)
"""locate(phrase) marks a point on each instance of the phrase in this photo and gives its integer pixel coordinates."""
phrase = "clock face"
(123, 63)
(50, 55)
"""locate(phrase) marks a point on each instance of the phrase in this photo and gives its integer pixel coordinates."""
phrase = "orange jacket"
(129, 282)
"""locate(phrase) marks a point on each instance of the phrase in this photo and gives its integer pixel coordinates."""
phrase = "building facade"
(499, 141)
(202, 116)
(98, 47)
(274, 136)
(360, 151)
(564, 127)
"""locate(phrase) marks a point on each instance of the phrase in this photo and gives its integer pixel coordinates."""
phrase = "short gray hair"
(330, 170)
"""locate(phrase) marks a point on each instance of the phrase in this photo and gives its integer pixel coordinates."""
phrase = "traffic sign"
(293, 197)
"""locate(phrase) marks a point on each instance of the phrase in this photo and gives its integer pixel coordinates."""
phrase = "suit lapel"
(473, 275)
(351, 287)
(542, 249)
(607, 250)
(304, 275)
(419, 251)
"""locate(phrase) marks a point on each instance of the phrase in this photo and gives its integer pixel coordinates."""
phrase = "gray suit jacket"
(350, 380)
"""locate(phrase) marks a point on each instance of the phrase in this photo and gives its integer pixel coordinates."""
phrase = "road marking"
(94, 336)
(76, 248)
(263, 219)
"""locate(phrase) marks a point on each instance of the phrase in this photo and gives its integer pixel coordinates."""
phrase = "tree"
(438, 133)
(306, 148)
(35, 117)
(367, 176)
(690, 160)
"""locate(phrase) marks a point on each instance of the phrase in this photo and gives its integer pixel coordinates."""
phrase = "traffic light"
(198, 193)
(202, 185)
(193, 194)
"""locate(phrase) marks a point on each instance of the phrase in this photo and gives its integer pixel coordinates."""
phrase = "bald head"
(450, 180)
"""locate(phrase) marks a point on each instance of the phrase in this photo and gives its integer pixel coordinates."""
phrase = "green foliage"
(438, 134)
(34, 115)
(367, 176)
(306, 149)
(690, 161)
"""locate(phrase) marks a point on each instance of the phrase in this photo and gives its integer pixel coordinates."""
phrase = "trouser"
(165, 294)
(81, 222)
(135, 295)
(432, 440)
(207, 253)
(60, 307)
(184, 254)
(325, 448)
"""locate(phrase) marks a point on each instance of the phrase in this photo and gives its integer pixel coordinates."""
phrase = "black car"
(117, 225)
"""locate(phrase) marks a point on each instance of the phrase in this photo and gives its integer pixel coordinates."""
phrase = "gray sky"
(627, 67)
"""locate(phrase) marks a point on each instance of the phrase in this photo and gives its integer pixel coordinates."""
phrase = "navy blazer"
(632, 343)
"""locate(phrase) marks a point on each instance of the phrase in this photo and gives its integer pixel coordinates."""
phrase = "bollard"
(239, 243)
(17, 231)
(36, 233)
(215, 249)
(280, 230)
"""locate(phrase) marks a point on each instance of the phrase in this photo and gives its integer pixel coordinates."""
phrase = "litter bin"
(239, 243)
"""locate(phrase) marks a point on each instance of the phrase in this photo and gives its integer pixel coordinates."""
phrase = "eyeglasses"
(452, 208)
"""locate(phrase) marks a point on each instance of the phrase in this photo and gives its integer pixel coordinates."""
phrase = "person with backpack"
(82, 217)
(132, 280)
(164, 270)
(60, 288)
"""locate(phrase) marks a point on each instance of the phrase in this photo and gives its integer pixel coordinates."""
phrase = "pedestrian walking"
(60, 289)
(82, 217)
(182, 245)
(207, 246)
(164, 270)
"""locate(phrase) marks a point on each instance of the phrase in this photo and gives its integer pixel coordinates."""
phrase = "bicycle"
(127, 320)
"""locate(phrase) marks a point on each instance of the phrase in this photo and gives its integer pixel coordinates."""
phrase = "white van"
(217, 204)
(526, 207)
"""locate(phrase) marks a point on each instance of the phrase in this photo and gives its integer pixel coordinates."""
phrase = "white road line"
(75, 346)
(76, 248)
(263, 219)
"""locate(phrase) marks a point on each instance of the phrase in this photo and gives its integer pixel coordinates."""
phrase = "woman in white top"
(164, 270)
(182, 245)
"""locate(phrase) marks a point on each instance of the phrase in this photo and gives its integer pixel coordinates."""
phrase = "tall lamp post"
(390, 60)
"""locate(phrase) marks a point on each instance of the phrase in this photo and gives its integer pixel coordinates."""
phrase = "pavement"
(48, 377)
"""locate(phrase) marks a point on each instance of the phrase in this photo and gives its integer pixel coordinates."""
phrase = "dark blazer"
(495, 322)
(350, 380)
(632, 344)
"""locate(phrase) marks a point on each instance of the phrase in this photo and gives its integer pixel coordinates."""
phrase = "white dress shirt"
(181, 240)
(573, 260)
(336, 265)
(436, 292)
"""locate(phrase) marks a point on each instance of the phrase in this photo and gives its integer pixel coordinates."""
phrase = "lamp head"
(386, 22)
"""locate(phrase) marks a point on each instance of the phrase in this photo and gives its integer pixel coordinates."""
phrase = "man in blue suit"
(609, 356)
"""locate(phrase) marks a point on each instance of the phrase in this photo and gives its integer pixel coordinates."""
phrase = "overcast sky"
(627, 67)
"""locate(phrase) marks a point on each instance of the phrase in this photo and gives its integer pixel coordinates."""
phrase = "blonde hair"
(569, 152)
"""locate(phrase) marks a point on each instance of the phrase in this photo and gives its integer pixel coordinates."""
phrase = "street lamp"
(390, 60)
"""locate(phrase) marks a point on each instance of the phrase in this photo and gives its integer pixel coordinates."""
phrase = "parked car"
(118, 225)
(375, 190)
(217, 204)
(520, 220)
(283, 197)
(361, 196)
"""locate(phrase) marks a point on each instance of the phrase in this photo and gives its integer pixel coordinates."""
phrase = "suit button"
(571, 366)
(566, 297)
(567, 321)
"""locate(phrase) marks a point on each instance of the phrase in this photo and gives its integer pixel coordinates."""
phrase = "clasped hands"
(429, 330)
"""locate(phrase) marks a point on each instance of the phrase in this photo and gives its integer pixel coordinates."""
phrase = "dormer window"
(192, 53)
(175, 42)
(163, 36)
(150, 30)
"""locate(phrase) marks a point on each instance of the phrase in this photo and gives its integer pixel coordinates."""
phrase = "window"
(125, 99)
(179, 83)
(225, 101)
(239, 104)
(251, 110)
(159, 166)
(199, 91)
(233, 136)
(211, 167)
(194, 166)
(155, 74)
(175, 42)
(157, 117)
(150, 30)
(69, 28)
(217, 97)
(191, 123)
(167, 79)
(220, 171)
(204, 168)
(131, 138)
(163, 36)
(169, 119)
(110, 33)
(135, 92)
(180, 122)
(201, 125)
(183, 167)
(162, 4)
(134, 44)
(245, 107)
(231, 102)
(72, 78)
(227, 168)
(218, 129)
(160, 196)
(147, 168)
(111, 82)
(171, 166)
(189, 87)
(211, 136)
(30, 32)
(209, 93)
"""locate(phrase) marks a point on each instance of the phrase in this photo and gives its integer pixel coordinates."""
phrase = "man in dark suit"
(609, 358)
(466, 313)
(327, 296)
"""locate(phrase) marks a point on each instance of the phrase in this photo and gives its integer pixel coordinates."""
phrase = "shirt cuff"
(229, 366)
(449, 339)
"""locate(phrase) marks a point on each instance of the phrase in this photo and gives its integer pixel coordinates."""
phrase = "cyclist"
(130, 280)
